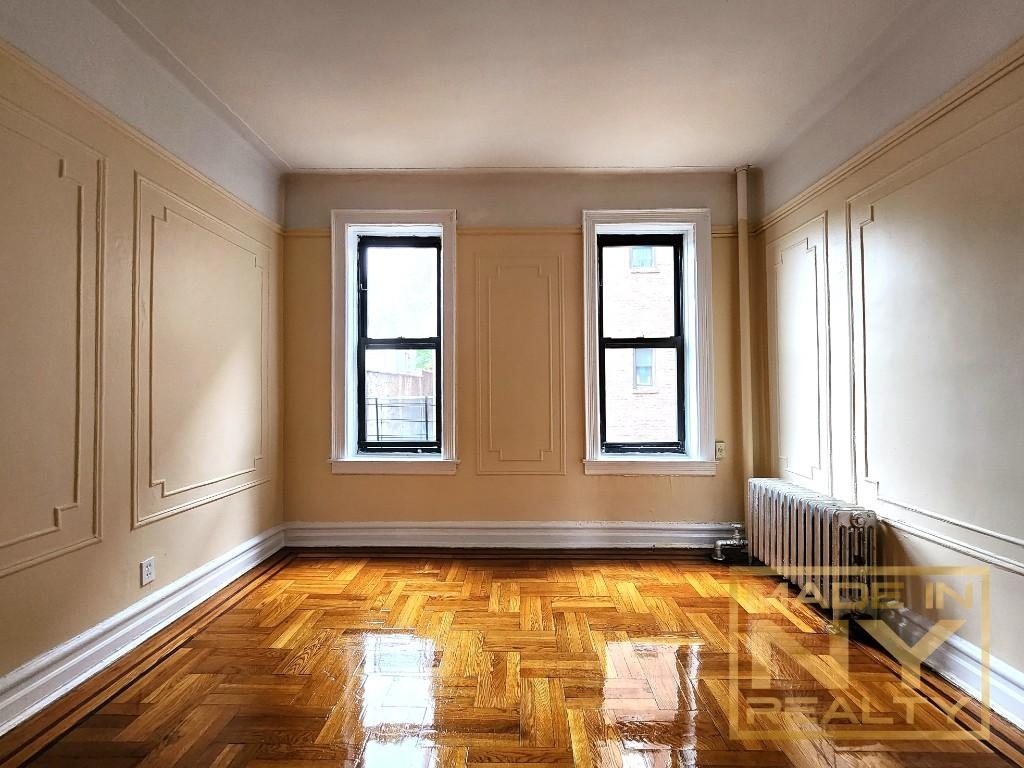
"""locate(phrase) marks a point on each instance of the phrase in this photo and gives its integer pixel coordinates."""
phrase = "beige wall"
(895, 295)
(507, 199)
(117, 446)
(527, 367)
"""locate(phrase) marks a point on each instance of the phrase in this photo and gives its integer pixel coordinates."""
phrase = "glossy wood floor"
(320, 660)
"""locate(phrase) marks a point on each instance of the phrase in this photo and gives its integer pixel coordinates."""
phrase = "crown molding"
(152, 45)
(1002, 65)
(469, 170)
(27, 63)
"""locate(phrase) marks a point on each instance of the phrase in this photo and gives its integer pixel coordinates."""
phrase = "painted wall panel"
(938, 311)
(925, 280)
(75, 189)
(51, 258)
(798, 355)
(202, 330)
(520, 420)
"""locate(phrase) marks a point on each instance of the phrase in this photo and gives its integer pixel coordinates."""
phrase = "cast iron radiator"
(824, 546)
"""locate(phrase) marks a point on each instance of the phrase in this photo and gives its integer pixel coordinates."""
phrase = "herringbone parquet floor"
(458, 662)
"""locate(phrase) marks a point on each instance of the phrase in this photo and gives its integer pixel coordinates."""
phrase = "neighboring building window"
(640, 327)
(641, 257)
(394, 331)
(643, 368)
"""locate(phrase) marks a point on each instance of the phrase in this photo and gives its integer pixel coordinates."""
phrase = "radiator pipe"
(745, 342)
(737, 540)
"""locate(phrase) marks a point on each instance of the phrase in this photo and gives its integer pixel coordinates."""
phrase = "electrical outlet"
(719, 450)
(147, 570)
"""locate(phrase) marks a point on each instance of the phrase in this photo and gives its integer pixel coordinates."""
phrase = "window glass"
(401, 292)
(401, 395)
(637, 304)
(634, 417)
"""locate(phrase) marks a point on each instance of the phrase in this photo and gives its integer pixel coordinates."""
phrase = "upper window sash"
(367, 242)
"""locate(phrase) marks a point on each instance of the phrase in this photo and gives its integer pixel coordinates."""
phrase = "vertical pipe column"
(746, 361)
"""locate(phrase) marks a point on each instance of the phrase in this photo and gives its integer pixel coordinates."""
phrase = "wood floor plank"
(444, 660)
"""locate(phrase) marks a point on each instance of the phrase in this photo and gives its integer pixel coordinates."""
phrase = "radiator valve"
(737, 540)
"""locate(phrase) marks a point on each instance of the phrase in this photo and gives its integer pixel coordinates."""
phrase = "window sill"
(649, 465)
(394, 465)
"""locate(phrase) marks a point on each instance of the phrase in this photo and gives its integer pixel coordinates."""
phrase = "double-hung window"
(399, 344)
(640, 320)
(648, 342)
(394, 371)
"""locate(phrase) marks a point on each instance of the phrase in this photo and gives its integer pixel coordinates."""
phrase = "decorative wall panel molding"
(923, 286)
(201, 376)
(520, 355)
(51, 254)
(798, 357)
(955, 542)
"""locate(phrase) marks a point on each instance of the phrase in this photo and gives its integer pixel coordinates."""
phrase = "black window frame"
(365, 342)
(677, 341)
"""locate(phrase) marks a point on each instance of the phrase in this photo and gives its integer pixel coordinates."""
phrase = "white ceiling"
(369, 84)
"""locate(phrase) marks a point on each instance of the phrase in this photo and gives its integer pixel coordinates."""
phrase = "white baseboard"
(32, 686)
(960, 662)
(517, 535)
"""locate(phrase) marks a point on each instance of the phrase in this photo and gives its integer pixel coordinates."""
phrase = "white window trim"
(346, 227)
(695, 223)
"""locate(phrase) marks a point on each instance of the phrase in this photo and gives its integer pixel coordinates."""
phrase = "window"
(399, 343)
(637, 316)
(394, 322)
(643, 368)
(648, 321)
(641, 257)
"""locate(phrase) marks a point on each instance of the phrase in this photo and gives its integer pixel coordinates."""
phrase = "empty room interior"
(479, 383)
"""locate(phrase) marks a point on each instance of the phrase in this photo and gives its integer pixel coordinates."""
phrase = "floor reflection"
(397, 700)
(645, 714)
(650, 707)
(401, 753)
